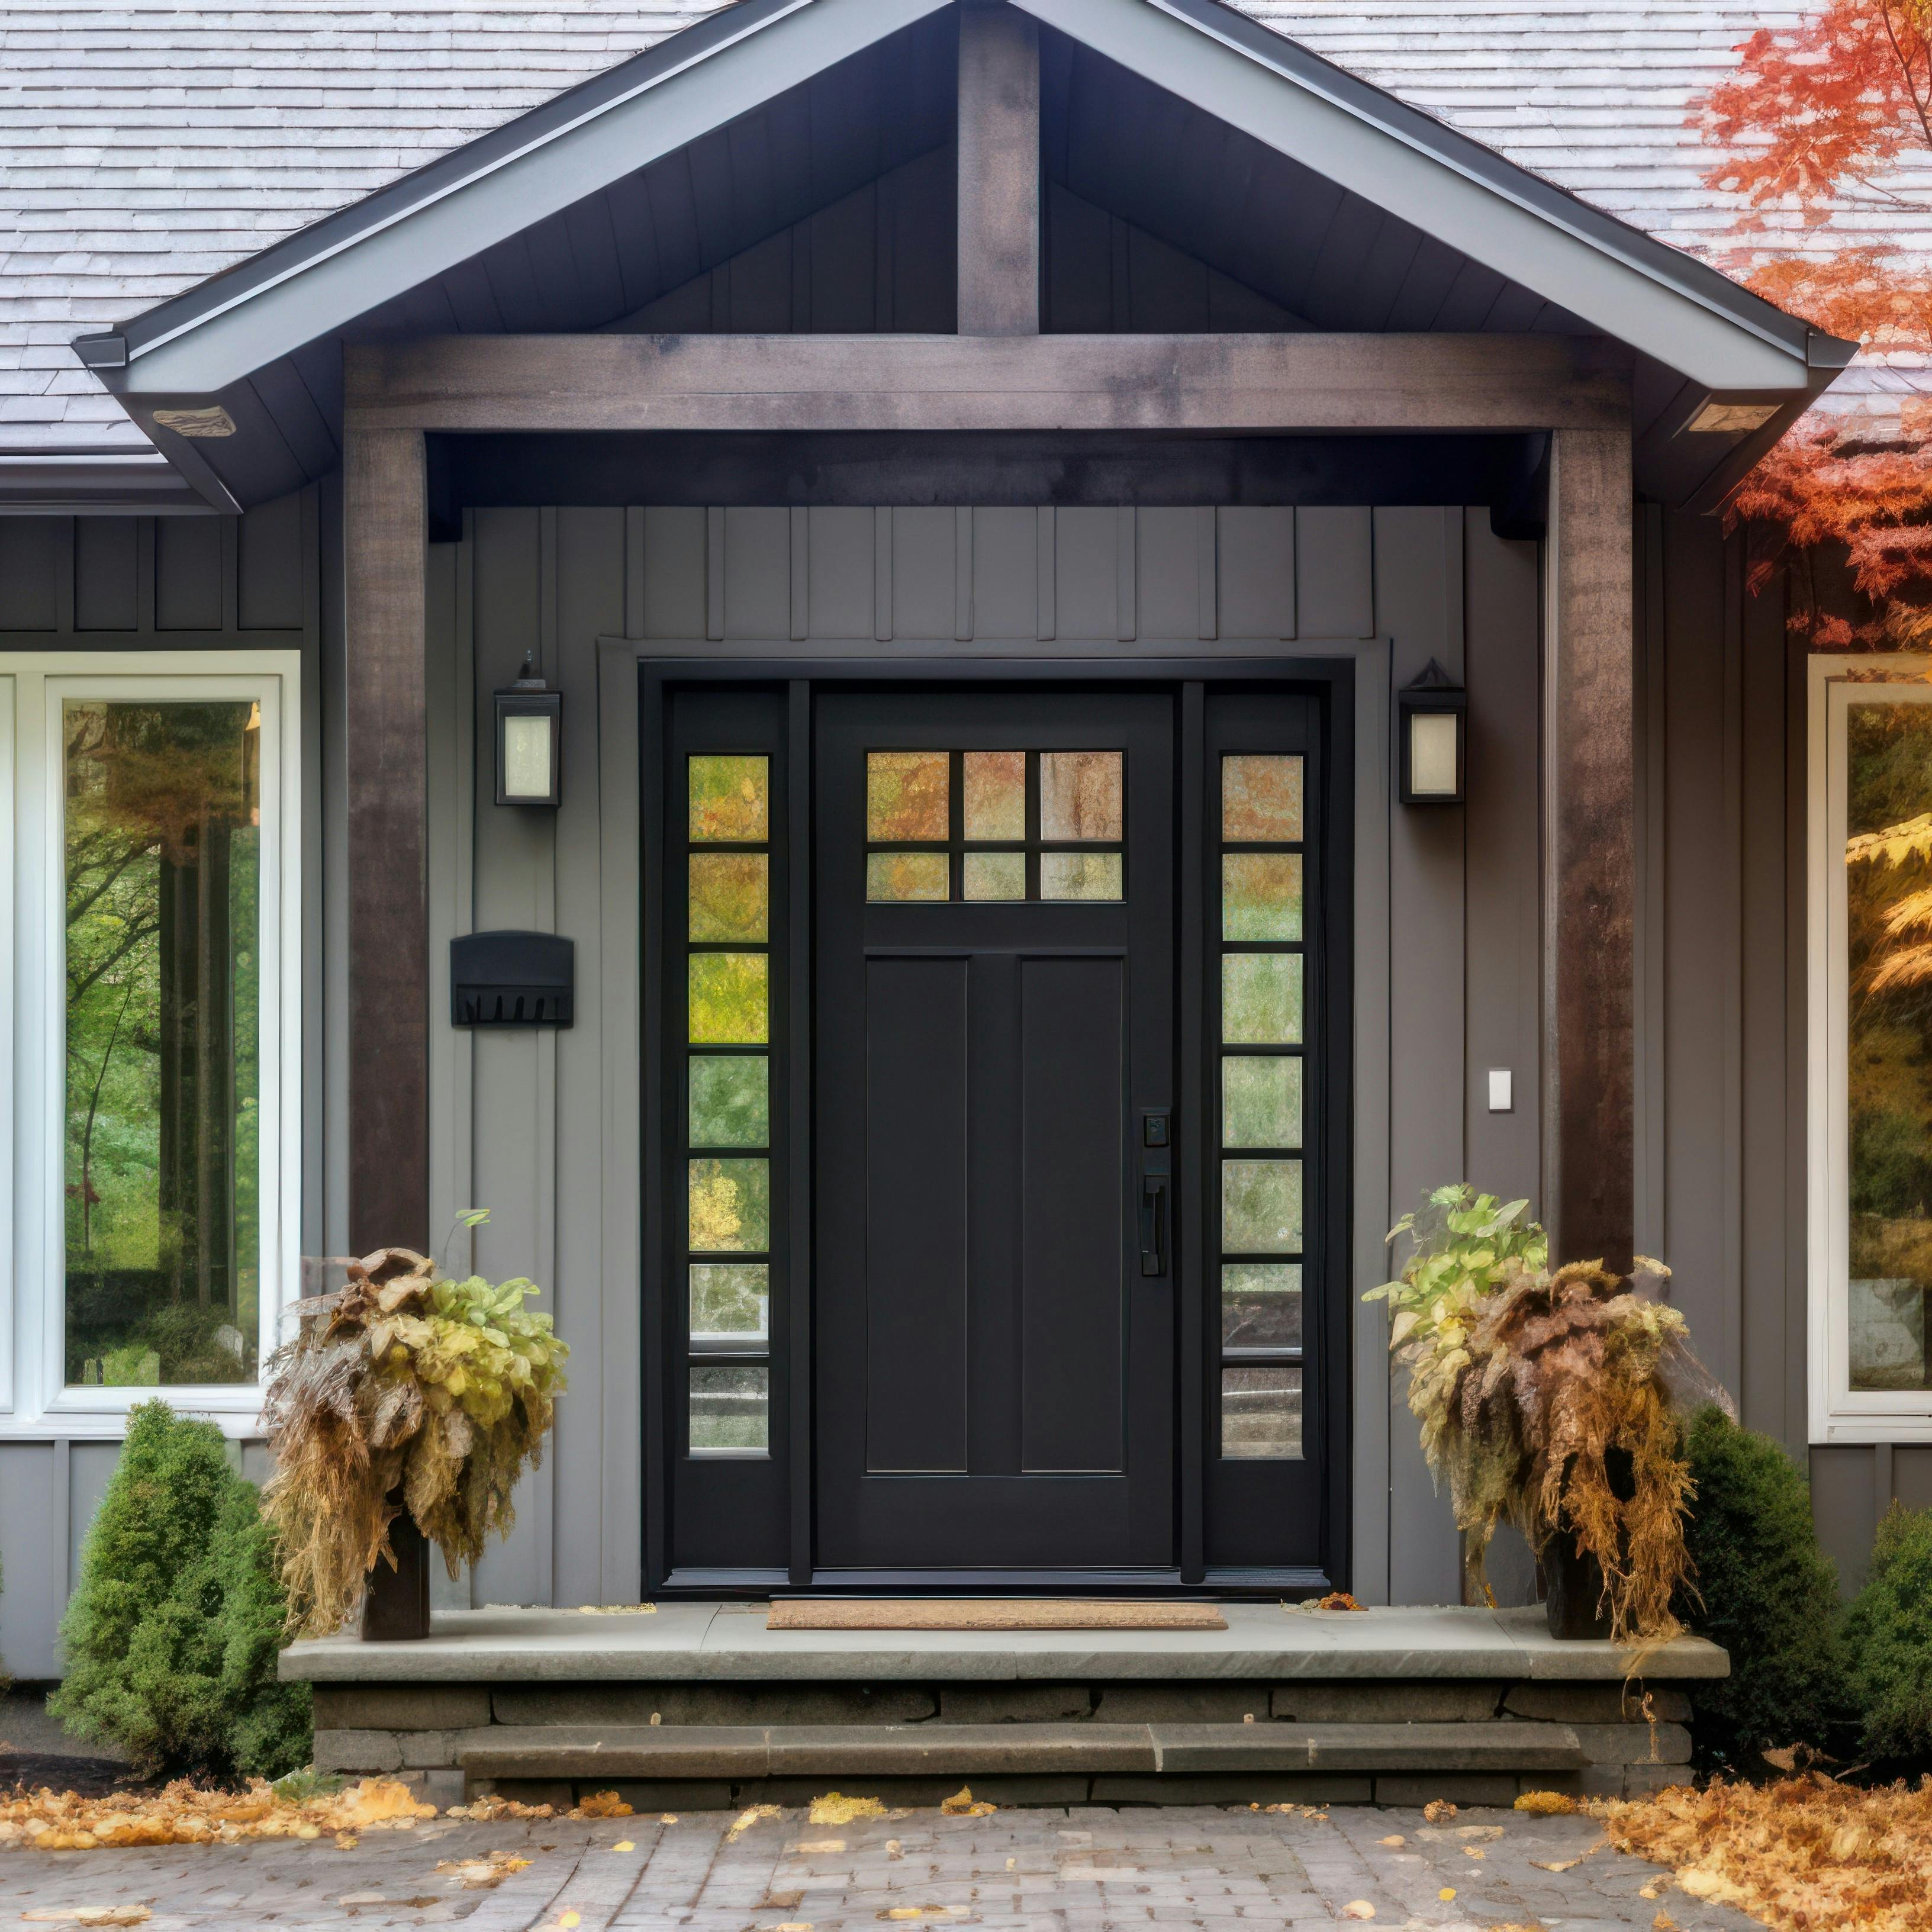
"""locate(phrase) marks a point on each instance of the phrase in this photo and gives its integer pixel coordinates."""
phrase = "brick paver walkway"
(1082, 1870)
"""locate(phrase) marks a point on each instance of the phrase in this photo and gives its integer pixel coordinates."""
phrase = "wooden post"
(384, 526)
(385, 533)
(999, 170)
(1589, 779)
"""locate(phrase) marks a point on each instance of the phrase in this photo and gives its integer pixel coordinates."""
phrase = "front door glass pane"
(1260, 798)
(1261, 999)
(1261, 895)
(1261, 1207)
(731, 1004)
(1260, 1305)
(1260, 1412)
(730, 799)
(907, 795)
(730, 1206)
(731, 1302)
(163, 846)
(731, 1101)
(996, 875)
(1080, 875)
(902, 877)
(1261, 1101)
(730, 1410)
(995, 794)
(1081, 795)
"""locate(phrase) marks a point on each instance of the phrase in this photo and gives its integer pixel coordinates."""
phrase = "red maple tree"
(1813, 118)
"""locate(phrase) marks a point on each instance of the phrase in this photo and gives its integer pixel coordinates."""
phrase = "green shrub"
(1888, 1639)
(1769, 1595)
(171, 1638)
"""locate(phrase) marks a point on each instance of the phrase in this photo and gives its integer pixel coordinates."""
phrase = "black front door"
(995, 1079)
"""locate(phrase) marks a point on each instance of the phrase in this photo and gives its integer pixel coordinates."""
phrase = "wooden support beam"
(1589, 779)
(384, 532)
(999, 170)
(1145, 383)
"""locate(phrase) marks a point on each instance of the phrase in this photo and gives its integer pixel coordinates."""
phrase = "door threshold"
(995, 1582)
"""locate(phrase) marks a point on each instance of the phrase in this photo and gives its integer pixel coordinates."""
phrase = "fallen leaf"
(1474, 1852)
(820, 1845)
(1653, 1890)
(794, 1925)
(892, 1850)
(1663, 1922)
(1438, 1809)
(91, 1915)
(1448, 1892)
(1358, 1908)
(568, 1921)
(624, 1845)
(963, 1804)
(746, 1818)
(1547, 1803)
(1561, 1864)
(1394, 1838)
(602, 1805)
(179, 1814)
(1339, 1600)
(483, 1874)
(347, 1841)
(836, 1808)
(667, 1818)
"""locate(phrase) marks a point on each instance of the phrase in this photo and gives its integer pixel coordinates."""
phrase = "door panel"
(994, 1372)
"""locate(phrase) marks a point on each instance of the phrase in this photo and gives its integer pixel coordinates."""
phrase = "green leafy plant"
(1764, 1590)
(1888, 1638)
(170, 1640)
(403, 1390)
(1546, 1400)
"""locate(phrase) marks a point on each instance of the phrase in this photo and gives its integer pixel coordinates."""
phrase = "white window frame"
(33, 1391)
(1838, 1412)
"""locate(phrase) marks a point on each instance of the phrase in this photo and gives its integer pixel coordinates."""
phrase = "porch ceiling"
(1334, 207)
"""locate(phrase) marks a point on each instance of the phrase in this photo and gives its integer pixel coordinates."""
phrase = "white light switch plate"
(1501, 1085)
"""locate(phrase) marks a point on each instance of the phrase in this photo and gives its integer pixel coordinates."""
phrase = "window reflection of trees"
(162, 859)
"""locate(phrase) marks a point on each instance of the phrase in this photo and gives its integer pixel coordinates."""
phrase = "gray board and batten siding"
(169, 584)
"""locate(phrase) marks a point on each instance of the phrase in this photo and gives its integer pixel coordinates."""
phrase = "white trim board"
(34, 1398)
(1838, 1414)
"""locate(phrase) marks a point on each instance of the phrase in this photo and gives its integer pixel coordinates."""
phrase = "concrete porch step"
(580, 1753)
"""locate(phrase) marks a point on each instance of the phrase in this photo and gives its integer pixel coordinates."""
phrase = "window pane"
(891, 877)
(730, 1206)
(729, 1300)
(1261, 999)
(1261, 1102)
(729, 1002)
(1889, 1062)
(1260, 1413)
(1081, 794)
(730, 895)
(731, 1101)
(995, 789)
(907, 795)
(1261, 797)
(1261, 895)
(1260, 1305)
(730, 798)
(163, 851)
(996, 875)
(1080, 875)
(1261, 1207)
(730, 1410)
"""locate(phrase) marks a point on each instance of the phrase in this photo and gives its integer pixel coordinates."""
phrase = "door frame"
(1335, 1366)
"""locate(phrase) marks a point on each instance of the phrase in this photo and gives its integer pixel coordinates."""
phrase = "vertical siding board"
(104, 560)
(800, 576)
(89, 1466)
(1767, 1092)
(1046, 571)
(922, 564)
(1334, 574)
(1256, 548)
(31, 1535)
(676, 594)
(1086, 576)
(1650, 735)
(962, 575)
(1418, 602)
(590, 601)
(269, 566)
(27, 562)
(882, 575)
(1006, 573)
(514, 887)
(844, 572)
(1796, 1204)
(1841, 1506)
(1166, 575)
(1127, 550)
(757, 573)
(1699, 957)
(187, 573)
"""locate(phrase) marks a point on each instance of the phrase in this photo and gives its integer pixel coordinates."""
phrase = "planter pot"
(1573, 1584)
(396, 1609)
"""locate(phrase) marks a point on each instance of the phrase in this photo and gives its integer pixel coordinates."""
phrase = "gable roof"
(447, 83)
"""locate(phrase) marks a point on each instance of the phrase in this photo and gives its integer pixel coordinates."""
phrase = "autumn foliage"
(1815, 118)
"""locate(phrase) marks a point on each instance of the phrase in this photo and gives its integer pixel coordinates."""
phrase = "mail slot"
(512, 979)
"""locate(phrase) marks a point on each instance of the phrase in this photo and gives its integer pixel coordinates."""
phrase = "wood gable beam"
(999, 170)
(1140, 383)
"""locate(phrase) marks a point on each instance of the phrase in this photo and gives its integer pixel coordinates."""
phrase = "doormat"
(1020, 1614)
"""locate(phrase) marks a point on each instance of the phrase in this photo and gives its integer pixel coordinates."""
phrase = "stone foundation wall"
(1636, 1741)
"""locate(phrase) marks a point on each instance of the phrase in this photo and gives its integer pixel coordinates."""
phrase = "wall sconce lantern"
(529, 737)
(1432, 716)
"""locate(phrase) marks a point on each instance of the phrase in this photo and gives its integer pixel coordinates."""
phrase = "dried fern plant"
(403, 1382)
(1534, 1391)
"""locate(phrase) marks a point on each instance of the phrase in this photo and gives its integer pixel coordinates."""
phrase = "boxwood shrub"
(171, 1638)
(1888, 1639)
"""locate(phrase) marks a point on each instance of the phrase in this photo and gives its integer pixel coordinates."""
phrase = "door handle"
(1153, 1224)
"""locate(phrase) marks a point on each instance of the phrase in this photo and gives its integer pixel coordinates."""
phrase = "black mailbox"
(512, 979)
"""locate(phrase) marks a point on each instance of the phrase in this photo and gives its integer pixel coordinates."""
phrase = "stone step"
(742, 1752)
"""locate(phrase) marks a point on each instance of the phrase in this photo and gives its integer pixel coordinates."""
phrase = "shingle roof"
(144, 147)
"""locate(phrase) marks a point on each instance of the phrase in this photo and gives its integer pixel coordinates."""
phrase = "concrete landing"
(686, 1641)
